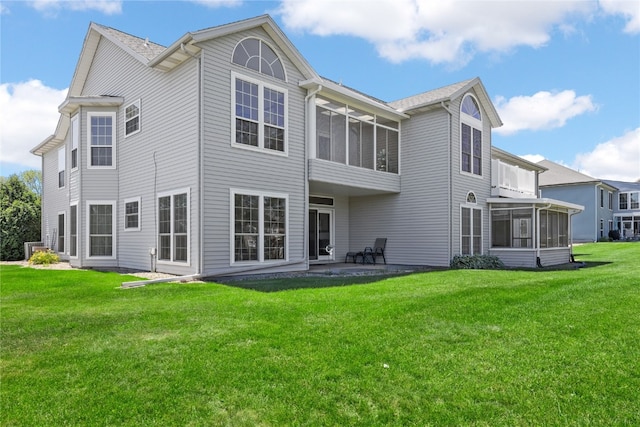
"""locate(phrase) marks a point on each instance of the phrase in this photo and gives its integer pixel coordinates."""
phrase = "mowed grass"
(481, 348)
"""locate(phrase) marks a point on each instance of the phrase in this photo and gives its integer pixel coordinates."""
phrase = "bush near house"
(476, 262)
(44, 258)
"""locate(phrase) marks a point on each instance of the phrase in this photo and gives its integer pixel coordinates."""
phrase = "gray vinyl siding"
(54, 200)
(227, 167)
(162, 157)
(335, 173)
(415, 221)
(584, 226)
(555, 256)
(516, 257)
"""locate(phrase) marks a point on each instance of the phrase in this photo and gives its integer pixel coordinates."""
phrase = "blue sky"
(563, 75)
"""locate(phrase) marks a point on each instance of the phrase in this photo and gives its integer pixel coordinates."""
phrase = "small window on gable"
(470, 107)
(471, 198)
(257, 55)
(132, 118)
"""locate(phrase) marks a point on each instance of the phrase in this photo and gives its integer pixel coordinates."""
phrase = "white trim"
(139, 115)
(114, 137)
(124, 213)
(472, 207)
(473, 123)
(260, 242)
(114, 233)
(261, 124)
(77, 228)
(171, 195)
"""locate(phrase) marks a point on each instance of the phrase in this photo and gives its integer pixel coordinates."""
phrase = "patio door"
(321, 235)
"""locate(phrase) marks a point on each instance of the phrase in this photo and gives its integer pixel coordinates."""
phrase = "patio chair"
(369, 254)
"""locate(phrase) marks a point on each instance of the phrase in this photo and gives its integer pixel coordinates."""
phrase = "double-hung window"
(132, 118)
(61, 166)
(132, 214)
(73, 230)
(471, 230)
(75, 137)
(61, 232)
(470, 136)
(102, 140)
(101, 225)
(173, 226)
(259, 224)
(260, 115)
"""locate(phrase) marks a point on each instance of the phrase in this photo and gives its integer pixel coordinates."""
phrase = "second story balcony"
(512, 181)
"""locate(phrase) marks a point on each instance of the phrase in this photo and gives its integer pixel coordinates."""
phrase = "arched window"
(470, 136)
(471, 198)
(257, 55)
(470, 107)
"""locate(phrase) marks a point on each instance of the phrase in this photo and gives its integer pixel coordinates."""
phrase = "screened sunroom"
(531, 232)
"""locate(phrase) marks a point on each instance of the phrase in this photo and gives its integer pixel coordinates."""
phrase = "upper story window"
(101, 140)
(347, 135)
(629, 200)
(61, 166)
(470, 136)
(471, 198)
(75, 137)
(132, 118)
(257, 55)
(260, 115)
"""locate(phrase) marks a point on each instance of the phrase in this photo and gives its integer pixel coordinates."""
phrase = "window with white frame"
(259, 224)
(73, 230)
(602, 197)
(470, 136)
(257, 55)
(132, 118)
(132, 214)
(101, 140)
(75, 137)
(173, 226)
(260, 115)
(610, 200)
(61, 166)
(61, 232)
(471, 230)
(101, 223)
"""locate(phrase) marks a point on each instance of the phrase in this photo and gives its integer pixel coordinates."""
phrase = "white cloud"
(617, 159)
(630, 9)
(543, 110)
(108, 7)
(440, 31)
(29, 115)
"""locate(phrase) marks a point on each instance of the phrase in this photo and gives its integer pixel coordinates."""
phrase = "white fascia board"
(537, 202)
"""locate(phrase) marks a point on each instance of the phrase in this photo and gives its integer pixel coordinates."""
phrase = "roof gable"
(427, 100)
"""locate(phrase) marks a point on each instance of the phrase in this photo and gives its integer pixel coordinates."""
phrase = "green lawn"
(482, 348)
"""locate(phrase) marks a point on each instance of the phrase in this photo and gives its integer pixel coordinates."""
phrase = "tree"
(33, 180)
(19, 217)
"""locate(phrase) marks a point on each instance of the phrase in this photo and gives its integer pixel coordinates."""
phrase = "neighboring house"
(597, 196)
(227, 153)
(626, 208)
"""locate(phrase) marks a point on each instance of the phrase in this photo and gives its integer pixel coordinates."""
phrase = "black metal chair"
(369, 254)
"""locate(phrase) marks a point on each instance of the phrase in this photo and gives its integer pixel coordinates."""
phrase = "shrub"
(477, 262)
(44, 258)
